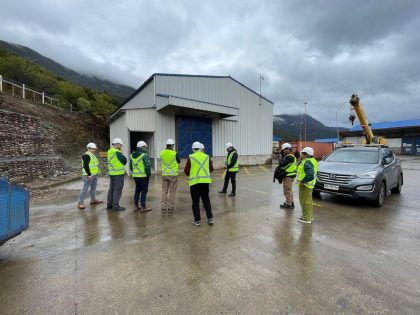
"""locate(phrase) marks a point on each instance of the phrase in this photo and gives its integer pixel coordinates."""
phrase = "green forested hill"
(82, 99)
(118, 90)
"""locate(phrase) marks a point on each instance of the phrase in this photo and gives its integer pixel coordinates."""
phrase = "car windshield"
(353, 156)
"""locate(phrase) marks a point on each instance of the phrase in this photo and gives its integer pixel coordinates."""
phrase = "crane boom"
(364, 123)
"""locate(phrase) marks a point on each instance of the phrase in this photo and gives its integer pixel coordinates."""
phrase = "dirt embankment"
(35, 139)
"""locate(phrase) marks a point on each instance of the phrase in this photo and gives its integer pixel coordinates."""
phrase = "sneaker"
(196, 223)
(170, 210)
(232, 194)
(163, 210)
(136, 208)
(210, 221)
(81, 205)
(302, 220)
(286, 206)
(119, 208)
(222, 192)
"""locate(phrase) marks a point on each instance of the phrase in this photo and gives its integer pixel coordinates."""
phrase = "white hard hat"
(141, 144)
(228, 145)
(202, 145)
(117, 141)
(170, 142)
(285, 146)
(91, 145)
(308, 151)
(197, 145)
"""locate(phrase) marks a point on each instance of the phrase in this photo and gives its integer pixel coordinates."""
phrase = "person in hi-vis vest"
(232, 167)
(140, 168)
(198, 169)
(116, 162)
(170, 162)
(306, 179)
(90, 172)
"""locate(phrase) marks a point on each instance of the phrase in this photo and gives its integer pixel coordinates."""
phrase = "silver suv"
(366, 172)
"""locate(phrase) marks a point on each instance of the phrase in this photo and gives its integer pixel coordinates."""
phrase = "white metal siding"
(252, 134)
(144, 99)
(141, 119)
(394, 142)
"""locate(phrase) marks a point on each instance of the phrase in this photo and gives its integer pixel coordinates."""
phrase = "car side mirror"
(387, 160)
(323, 158)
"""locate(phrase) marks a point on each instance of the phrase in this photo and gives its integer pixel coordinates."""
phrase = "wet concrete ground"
(256, 259)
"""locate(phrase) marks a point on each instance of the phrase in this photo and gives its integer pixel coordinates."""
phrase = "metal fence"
(14, 210)
(25, 92)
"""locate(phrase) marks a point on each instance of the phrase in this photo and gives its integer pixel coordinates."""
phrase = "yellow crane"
(364, 123)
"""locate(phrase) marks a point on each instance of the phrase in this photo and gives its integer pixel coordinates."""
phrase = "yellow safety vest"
(115, 167)
(169, 163)
(200, 169)
(301, 172)
(93, 165)
(290, 168)
(138, 166)
(236, 166)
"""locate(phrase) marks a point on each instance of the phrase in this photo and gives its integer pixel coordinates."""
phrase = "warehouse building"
(403, 137)
(213, 110)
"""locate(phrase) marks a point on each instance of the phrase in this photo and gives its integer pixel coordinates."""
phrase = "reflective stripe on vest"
(93, 165)
(138, 166)
(200, 170)
(169, 163)
(115, 167)
(229, 158)
(290, 168)
(302, 174)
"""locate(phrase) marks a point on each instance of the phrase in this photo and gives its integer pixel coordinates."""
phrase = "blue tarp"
(14, 210)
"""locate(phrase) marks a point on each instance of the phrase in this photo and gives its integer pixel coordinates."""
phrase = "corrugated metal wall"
(144, 99)
(251, 134)
(141, 119)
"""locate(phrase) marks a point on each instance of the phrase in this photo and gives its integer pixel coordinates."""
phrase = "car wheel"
(397, 190)
(381, 196)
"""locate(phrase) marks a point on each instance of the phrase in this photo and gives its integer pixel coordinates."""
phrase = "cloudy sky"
(313, 51)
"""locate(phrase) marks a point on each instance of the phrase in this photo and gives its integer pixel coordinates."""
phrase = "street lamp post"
(336, 118)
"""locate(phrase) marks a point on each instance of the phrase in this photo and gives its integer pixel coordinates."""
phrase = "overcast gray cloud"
(315, 51)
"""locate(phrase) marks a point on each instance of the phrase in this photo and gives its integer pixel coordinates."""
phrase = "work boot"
(286, 206)
(145, 209)
(232, 194)
(196, 223)
(163, 210)
(210, 221)
(222, 192)
(81, 205)
(108, 207)
(136, 208)
(170, 210)
(119, 208)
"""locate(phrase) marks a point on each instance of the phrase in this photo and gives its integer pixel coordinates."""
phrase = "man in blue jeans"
(140, 169)
(90, 172)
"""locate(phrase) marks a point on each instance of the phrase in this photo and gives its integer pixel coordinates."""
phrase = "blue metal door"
(408, 145)
(190, 129)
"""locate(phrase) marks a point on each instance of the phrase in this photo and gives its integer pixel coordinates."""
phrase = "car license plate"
(332, 187)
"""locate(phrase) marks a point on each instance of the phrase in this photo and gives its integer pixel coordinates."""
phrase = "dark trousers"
(116, 186)
(142, 187)
(232, 177)
(200, 191)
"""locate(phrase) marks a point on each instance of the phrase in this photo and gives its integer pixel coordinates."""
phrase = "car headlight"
(368, 175)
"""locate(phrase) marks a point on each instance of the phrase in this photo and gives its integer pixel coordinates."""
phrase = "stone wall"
(26, 150)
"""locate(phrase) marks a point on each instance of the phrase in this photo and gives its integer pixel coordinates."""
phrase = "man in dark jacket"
(288, 166)
(140, 168)
(232, 167)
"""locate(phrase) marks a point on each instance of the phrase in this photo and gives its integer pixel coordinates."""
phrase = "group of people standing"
(198, 168)
(305, 171)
